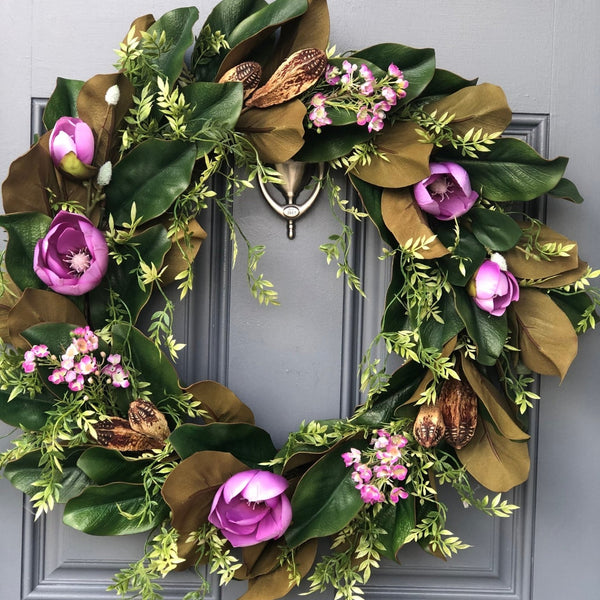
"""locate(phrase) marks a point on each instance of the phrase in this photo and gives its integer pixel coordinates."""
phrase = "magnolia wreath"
(101, 215)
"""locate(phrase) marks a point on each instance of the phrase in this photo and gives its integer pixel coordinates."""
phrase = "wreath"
(101, 215)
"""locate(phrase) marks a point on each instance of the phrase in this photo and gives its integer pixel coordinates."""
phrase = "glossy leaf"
(511, 171)
(398, 521)
(62, 102)
(496, 462)
(469, 249)
(445, 82)
(24, 230)
(495, 230)
(25, 412)
(371, 199)
(331, 143)
(547, 339)
(405, 161)
(277, 132)
(568, 190)
(403, 217)
(573, 305)
(152, 175)
(24, 472)
(488, 332)
(477, 107)
(325, 499)
(177, 25)
(417, 64)
(248, 443)
(395, 317)
(57, 336)
(103, 466)
(221, 403)
(41, 306)
(100, 510)
(435, 334)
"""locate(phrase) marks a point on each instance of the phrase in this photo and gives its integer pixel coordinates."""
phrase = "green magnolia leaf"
(151, 246)
(152, 175)
(435, 334)
(154, 366)
(62, 102)
(547, 339)
(325, 499)
(57, 336)
(104, 510)
(496, 462)
(573, 305)
(395, 317)
(25, 412)
(220, 103)
(25, 472)
(331, 143)
(444, 83)
(418, 65)
(568, 190)
(24, 230)
(468, 254)
(398, 521)
(488, 332)
(177, 25)
(248, 443)
(495, 230)
(511, 171)
(103, 466)
(371, 199)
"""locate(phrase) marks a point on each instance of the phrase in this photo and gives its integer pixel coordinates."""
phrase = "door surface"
(298, 361)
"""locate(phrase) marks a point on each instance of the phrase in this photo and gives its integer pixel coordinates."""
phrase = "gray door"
(298, 361)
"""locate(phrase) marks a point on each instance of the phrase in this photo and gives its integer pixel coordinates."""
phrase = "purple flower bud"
(72, 146)
(446, 193)
(73, 256)
(251, 507)
(493, 287)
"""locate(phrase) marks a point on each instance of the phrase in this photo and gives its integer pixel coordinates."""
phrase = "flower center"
(78, 261)
(441, 187)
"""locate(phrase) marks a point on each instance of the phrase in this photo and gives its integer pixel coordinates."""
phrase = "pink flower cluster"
(78, 362)
(378, 470)
(359, 91)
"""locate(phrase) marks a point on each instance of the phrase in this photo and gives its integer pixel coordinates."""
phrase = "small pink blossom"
(364, 472)
(86, 365)
(40, 350)
(352, 457)
(57, 376)
(399, 472)
(28, 366)
(332, 75)
(363, 116)
(318, 99)
(371, 495)
(389, 94)
(366, 89)
(397, 493)
(394, 71)
(376, 124)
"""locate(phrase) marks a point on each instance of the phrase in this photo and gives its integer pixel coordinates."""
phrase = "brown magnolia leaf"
(140, 24)
(277, 584)
(562, 279)
(496, 462)
(190, 488)
(405, 161)
(145, 418)
(8, 299)
(40, 306)
(276, 132)
(546, 336)
(29, 178)
(494, 402)
(247, 73)
(221, 404)
(116, 434)
(174, 259)
(100, 116)
(295, 75)
(259, 559)
(525, 266)
(481, 106)
(403, 217)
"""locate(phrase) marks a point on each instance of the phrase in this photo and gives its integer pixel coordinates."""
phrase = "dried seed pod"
(145, 418)
(295, 75)
(247, 73)
(458, 403)
(116, 434)
(429, 426)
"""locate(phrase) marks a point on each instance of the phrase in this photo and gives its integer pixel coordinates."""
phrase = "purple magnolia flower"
(446, 193)
(73, 256)
(72, 146)
(493, 287)
(251, 507)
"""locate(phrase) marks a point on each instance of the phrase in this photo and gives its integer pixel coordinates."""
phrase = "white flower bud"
(499, 260)
(112, 95)
(104, 174)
